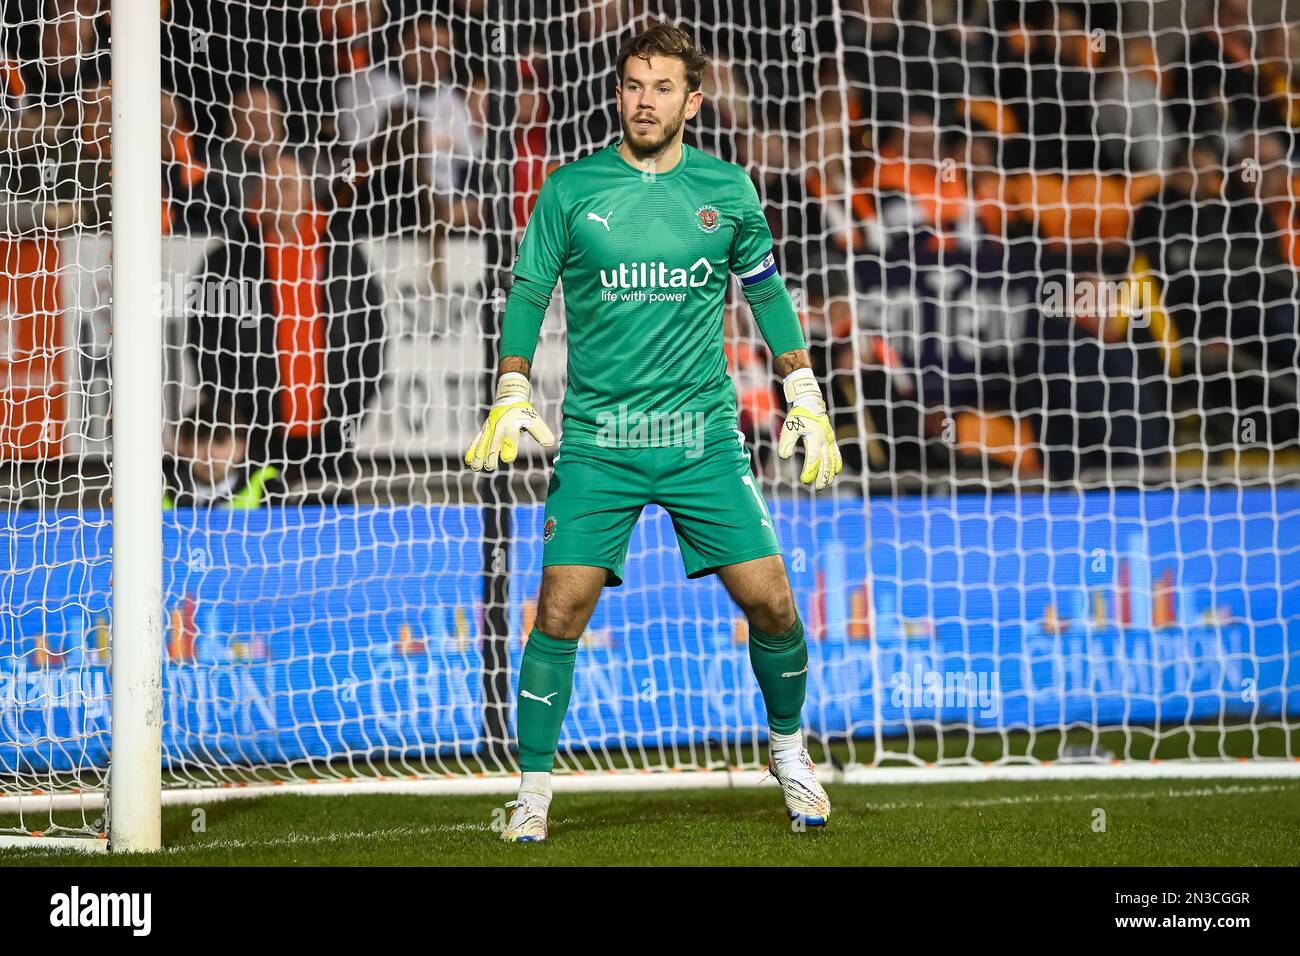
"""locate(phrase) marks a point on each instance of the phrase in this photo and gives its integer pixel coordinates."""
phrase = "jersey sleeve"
(752, 260)
(545, 246)
(754, 263)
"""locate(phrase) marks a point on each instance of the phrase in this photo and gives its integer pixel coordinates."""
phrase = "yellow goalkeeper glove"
(807, 420)
(511, 413)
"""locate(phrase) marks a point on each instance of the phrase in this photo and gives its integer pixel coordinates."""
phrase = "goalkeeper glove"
(807, 420)
(511, 413)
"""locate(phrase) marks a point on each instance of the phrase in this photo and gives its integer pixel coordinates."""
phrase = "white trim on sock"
(785, 744)
(536, 782)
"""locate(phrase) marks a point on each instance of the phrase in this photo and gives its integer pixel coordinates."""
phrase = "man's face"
(258, 119)
(653, 103)
(70, 36)
(426, 57)
(212, 458)
(1207, 175)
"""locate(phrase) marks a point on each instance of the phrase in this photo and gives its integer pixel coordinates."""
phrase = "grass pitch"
(1054, 823)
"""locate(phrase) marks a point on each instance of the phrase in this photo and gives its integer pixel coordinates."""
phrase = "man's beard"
(651, 151)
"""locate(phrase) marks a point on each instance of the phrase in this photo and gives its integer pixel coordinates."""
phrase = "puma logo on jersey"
(545, 700)
(603, 220)
(796, 673)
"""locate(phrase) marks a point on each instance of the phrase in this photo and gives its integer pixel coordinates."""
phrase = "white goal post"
(131, 819)
(135, 769)
(1064, 545)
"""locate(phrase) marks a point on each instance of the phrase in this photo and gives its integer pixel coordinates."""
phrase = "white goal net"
(1046, 259)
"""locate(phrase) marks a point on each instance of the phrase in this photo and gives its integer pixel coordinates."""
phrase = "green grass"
(1160, 823)
(1148, 822)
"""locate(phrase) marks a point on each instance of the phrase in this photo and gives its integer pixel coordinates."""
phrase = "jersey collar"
(633, 171)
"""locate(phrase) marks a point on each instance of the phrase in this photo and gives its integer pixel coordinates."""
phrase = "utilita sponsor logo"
(655, 275)
(77, 909)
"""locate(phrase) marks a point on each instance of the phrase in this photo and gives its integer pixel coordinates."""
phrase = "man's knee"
(560, 619)
(566, 602)
(773, 612)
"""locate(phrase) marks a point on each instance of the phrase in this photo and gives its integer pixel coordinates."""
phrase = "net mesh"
(1045, 258)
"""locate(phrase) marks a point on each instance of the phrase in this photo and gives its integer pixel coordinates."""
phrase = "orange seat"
(1080, 207)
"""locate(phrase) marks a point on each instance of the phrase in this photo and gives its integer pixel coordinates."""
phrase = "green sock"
(780, 663)
(545, 684)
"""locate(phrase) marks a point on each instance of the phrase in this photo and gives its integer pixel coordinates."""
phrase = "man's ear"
(693, 103)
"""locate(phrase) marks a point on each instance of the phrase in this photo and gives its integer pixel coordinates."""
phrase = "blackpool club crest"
(707, 218)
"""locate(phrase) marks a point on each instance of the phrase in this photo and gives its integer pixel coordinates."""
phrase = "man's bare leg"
(779, 656)
(567, 600)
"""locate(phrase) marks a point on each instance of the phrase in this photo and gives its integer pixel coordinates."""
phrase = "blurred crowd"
(1145, 164)
(1087, 140)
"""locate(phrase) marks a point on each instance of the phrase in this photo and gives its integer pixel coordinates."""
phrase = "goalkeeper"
(643, 234)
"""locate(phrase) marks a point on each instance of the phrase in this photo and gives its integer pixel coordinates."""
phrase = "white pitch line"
(304, 839)
(1072, 797)
(388, 834)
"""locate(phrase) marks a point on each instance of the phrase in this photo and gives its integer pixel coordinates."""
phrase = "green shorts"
(596, 496)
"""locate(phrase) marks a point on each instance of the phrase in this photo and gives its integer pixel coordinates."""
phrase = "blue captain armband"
(764, 270)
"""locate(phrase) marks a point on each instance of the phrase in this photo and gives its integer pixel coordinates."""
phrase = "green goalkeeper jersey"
(644, 262)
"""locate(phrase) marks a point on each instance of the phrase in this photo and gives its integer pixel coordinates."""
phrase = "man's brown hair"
(664, 39)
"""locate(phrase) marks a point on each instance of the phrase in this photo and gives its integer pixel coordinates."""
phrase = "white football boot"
(527, 822)
(805, 800)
